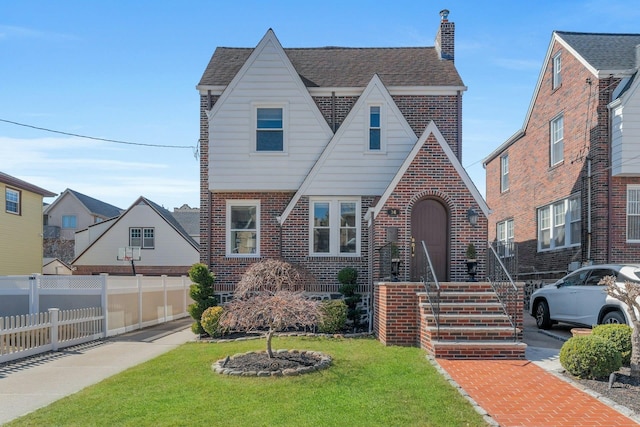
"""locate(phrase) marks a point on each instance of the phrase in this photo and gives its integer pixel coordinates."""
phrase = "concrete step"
(477, 350)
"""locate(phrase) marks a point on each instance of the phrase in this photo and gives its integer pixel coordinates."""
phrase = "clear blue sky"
(127, 71)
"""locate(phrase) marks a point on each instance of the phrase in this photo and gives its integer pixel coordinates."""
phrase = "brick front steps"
(473, 322)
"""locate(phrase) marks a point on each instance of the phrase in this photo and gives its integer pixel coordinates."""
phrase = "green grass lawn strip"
(368, 384)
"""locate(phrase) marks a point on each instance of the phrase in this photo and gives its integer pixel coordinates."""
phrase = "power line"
(193, 147)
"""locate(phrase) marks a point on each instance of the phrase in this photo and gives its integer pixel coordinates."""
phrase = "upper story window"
(142, 237)
(243, 228)
(557, 68)
(269, 129)
(69, 221)
(557, 140)
(374, 128)
(559, 224)
(633, 213)
(504, 173)
(12, 201)
(504, 235)
(334, 227)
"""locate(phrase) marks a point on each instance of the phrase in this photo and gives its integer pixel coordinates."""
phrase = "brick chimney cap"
(444, 14)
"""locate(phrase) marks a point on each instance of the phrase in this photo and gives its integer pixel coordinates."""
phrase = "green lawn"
(368, 384)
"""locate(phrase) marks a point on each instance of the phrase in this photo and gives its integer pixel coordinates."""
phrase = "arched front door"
(430, 222)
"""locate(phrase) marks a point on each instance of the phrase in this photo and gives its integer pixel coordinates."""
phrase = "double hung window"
(559, 224)
(557, 68)
(12, 201)
(143, 237)
(374, 128)
(334, 227)
(504, 173)
(243, 228)
(633, 213)
(269, 129)
(557, 140)
(504, 235)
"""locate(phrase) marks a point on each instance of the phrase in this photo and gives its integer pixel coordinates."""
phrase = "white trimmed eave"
(433, 129)
(495, 153)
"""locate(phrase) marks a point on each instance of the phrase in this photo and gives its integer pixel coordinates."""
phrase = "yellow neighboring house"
(21, 226)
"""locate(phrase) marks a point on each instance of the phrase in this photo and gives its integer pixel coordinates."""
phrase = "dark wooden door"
(430, 222)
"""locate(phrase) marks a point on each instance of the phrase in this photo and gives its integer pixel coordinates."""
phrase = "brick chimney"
(445, 38)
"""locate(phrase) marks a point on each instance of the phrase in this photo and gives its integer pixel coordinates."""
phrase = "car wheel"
(542, 315)
(613, 317)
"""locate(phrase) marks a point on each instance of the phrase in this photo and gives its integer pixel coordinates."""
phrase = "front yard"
(367, 385)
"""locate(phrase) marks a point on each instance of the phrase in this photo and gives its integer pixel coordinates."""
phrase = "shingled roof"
(95, 206)
(346, 67)
(604, 51)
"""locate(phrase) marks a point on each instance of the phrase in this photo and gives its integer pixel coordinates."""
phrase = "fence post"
(184, 295)
(34, 297)
(53, 318)
(139, 281)
(104, 303)
(164, 289)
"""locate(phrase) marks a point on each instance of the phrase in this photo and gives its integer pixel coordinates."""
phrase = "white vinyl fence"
(23, 336)
(84, 308)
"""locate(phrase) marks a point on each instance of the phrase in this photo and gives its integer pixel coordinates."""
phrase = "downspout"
(459, 96)
(589, 179)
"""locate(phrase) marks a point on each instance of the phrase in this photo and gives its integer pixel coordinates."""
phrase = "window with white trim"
(69, 221)
(143, 237)
(633, 213)
(243, 228)
(557, 68)
(504, 235)
(557, 140)
(559, 224)
(269, 129)
(12, 201)
(504, 173)
(375, 141)
(334, 227)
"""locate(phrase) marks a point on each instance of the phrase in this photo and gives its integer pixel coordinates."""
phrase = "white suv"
(580, 299)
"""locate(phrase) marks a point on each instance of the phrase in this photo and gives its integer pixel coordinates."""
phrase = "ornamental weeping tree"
(270, 296)
(629, 294)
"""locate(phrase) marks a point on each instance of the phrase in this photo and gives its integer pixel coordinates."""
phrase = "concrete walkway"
(35, 382)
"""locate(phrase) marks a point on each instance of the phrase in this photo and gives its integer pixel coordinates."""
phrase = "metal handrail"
(432, 296)
(504, 287)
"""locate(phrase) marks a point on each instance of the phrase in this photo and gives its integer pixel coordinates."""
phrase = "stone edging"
(323, 363)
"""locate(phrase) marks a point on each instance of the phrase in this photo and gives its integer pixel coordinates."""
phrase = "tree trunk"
(269, 351)
(635, 350)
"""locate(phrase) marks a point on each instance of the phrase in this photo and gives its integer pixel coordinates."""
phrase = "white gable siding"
(349, 168)
(233, 163)
(625, 147)
(86, 237)
(170, 247)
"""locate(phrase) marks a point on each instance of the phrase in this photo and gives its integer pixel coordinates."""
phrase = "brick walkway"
(520, 393)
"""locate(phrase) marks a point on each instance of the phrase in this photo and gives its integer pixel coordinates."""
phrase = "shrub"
(589, 356)
(333, 316)
(348, 277)
(619, 336)
(201, 292)
(210, 321)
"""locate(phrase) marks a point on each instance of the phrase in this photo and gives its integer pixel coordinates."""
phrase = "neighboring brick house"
(565, 189)
(21, 226)
(321, 156)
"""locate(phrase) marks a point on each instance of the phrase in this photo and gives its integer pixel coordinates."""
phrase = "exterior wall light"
(472, 216)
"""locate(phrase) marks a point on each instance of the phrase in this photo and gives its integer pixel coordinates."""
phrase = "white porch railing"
(27, 335)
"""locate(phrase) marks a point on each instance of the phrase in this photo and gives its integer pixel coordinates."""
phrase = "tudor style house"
(565, 189)
(323, 156)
